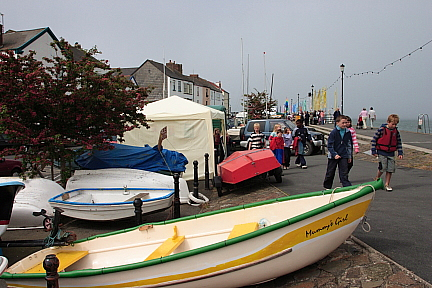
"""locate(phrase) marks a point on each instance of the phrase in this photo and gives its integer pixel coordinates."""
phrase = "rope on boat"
(49, 240)
(193, 201)
(331, 195)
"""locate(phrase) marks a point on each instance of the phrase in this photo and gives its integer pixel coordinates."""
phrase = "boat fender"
(197, 201)
(263, 223)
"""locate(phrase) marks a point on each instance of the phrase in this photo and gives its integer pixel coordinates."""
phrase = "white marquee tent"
(190, 131)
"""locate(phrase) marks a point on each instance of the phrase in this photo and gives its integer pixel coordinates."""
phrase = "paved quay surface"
(400, 226)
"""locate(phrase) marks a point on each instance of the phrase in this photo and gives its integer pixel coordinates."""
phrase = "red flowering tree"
(46, 108)
(256, 105)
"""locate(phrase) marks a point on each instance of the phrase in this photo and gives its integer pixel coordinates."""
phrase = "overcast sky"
(305, 43)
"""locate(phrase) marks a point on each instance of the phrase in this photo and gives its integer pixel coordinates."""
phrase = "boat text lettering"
(338, 221)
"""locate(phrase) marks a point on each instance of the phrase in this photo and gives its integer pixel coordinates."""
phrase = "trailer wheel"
(278, 174)
(217, 182)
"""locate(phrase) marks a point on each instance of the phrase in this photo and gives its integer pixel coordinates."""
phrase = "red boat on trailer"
(243, 165)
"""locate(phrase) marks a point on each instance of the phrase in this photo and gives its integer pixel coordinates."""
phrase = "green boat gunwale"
(369, 187)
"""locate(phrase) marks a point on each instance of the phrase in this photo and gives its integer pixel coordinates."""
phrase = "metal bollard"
(195, 183)
(206, 171)
(176, 195)
(138, 211)
(51, 264)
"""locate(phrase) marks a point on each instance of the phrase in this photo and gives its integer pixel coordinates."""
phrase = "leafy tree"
(256, 105)
(65, 103)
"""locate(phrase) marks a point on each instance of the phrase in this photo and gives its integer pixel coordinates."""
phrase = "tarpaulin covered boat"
(125, 156)
(233, 247)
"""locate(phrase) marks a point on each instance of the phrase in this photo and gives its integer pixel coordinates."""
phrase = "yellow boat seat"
(241, 229)
(66, 259)
(167, 247)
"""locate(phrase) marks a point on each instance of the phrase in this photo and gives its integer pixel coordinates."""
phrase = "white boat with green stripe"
(232, 247)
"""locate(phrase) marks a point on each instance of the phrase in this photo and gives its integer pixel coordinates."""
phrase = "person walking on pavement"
(372, 117)
(306, 118)
(384, 144)
(364, 115)
(339, 144)
(288, 139)
(302, 135)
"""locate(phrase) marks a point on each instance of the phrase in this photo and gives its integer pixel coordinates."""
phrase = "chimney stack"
(176, 67)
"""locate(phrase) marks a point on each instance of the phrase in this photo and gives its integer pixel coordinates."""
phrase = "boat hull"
(275, 249)
(120, 177)
(33, 198)
(8, 190)
(242, 165)
(95, 204)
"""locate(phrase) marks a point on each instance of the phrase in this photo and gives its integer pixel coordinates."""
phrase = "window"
(187, 88)
(174, 85)
(179, 86)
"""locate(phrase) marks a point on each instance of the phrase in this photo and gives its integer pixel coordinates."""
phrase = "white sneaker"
(388, 188)
(304, 167)
(298, 165)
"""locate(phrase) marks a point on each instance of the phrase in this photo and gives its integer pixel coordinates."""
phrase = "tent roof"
(176, 107)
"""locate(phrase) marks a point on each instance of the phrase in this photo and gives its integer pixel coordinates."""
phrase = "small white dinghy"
(103, 204)
(234, 247)
(121, 177)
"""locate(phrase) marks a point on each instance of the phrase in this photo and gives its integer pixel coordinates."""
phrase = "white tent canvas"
(190, 131)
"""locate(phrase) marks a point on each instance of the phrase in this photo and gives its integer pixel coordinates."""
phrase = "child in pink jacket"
(354, 140)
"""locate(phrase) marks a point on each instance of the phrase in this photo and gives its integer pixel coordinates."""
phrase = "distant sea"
(407, 125)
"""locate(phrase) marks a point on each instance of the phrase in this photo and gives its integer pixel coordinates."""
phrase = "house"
(225, 96)
(22, 42)
(151, 74)
(38, 40)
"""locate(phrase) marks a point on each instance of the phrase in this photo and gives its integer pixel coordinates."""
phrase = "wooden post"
(176, 195)
(206, 172)
(138, 210)
(51, 264)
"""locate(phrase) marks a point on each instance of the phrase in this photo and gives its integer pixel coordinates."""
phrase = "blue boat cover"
(125, 156)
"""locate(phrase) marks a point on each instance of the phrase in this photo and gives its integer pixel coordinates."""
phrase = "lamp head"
(342, 67)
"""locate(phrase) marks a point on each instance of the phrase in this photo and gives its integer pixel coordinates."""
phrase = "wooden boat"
(103, 204)
(8, 190)
(233, 247)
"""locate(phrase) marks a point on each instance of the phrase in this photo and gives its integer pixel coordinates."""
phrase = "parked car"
(10, 167)
(267, 126)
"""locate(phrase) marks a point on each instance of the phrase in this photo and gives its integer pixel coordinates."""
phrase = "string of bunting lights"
(384, 68)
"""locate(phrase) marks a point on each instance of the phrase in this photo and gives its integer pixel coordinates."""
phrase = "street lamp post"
(312, 109)
(298, 104)
(342, 68)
